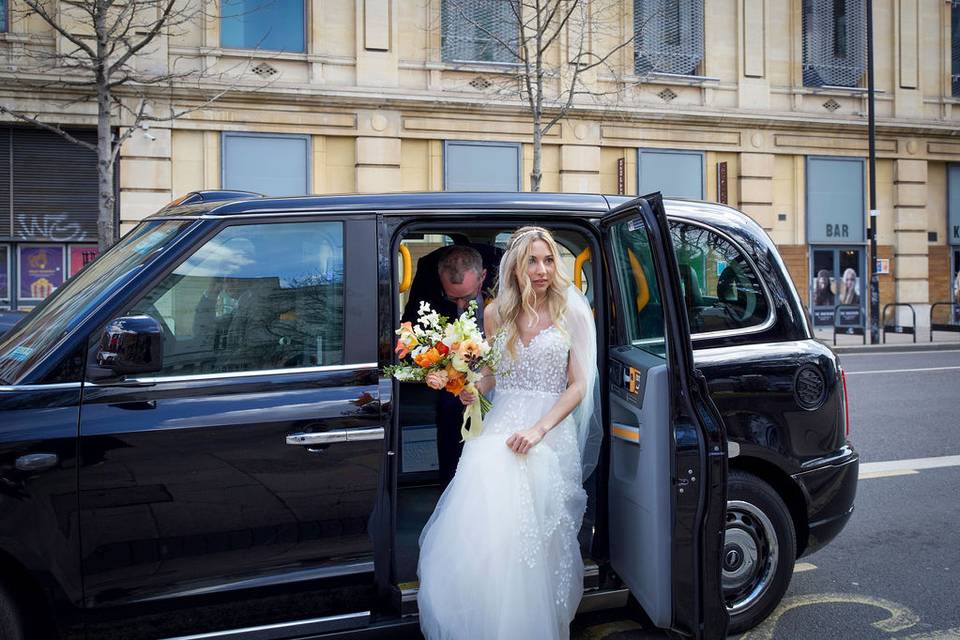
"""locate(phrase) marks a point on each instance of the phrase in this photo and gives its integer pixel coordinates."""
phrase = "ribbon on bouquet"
(472, 416)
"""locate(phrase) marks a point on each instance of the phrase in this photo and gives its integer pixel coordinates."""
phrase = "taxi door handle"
(37, 462)
(332, 437)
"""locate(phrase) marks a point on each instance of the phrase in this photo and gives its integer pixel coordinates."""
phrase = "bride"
(499, 557)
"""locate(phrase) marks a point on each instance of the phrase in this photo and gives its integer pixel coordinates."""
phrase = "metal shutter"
(54, 186)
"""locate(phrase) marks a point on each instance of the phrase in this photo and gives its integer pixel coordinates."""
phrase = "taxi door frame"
(698, 608)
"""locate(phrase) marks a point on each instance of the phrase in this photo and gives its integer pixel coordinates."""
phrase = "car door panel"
(644, 277)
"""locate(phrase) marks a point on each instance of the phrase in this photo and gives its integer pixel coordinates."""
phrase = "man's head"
(461, 275)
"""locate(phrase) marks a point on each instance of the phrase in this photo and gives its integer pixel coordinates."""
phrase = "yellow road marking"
(800, 567)
(946, 634)
(899, 619)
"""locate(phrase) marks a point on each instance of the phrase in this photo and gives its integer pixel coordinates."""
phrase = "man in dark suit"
(449, 279)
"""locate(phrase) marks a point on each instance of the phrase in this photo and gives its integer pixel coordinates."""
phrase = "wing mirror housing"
(131, 345)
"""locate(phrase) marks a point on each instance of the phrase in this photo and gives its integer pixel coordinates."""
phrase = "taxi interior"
(418, 483)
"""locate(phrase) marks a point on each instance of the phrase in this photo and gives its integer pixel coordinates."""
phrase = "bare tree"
(529, 35)
(100, 57)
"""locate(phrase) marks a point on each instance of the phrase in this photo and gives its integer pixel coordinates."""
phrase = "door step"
(404, 598)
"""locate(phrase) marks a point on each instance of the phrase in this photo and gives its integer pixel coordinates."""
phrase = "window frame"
(666, 43)
(771, 318)
(356, 354)
(306, 39)
(954, 17)
(308, 177)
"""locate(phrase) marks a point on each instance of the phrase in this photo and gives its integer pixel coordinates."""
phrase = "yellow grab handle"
(407, 269)
(578, 267)
(640, 278)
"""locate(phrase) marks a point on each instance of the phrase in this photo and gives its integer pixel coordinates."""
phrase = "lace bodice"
(540, 366)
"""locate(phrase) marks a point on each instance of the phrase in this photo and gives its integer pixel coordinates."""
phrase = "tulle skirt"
(499, 557)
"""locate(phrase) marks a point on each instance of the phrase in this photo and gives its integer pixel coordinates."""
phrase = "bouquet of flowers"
(446, 355)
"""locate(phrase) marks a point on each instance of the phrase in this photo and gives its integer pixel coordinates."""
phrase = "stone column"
(756, 187)
(910, 260)
(579, 168)
(378, 152)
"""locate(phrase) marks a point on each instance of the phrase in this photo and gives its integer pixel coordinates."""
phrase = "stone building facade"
(758, 103)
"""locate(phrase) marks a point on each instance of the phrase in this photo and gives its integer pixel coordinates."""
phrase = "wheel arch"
(28, 592)
(785, 487)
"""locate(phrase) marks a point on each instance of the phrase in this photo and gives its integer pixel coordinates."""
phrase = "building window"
(668, 36)
(254, 297)
(273, 165)
(955, 46)
(834, 42)
(269, 25)
(3, 15)
(481, 166)
(478, 31)
(676, 174)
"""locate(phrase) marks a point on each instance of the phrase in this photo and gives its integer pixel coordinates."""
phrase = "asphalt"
(894, 572)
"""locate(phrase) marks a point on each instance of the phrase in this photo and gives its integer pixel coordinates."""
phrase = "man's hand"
(523, 441)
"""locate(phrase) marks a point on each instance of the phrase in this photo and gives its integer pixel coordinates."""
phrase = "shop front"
(837, 239)
(48, 212)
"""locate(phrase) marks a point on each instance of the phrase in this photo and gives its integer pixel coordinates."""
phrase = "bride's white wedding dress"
(499, 557)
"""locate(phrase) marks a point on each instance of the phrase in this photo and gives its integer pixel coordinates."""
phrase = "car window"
(637, 282)
(254, 297)
(721, 291)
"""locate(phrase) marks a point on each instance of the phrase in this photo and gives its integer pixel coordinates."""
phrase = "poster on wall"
(4, 275)
(81, 255)
(40, 271)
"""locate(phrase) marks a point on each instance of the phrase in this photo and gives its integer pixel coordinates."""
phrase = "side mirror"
(133, 344)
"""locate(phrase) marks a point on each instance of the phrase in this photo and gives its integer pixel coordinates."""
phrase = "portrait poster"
(41, 270)
(81, 255)
(4, 273)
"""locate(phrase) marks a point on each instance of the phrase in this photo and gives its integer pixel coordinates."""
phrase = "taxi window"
(721, 291)
(254, 297)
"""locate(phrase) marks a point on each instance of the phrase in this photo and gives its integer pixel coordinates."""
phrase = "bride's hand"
(466, 397)
(523, 441)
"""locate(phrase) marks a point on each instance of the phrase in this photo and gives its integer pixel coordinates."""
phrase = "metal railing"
(953, 326)
(897, 327)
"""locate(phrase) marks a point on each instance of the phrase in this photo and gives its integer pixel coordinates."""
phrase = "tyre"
(11, 620)
(759, 550)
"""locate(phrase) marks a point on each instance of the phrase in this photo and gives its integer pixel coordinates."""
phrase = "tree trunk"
(106, 234)
(536, 174)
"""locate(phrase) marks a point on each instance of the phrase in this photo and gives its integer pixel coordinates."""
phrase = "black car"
(196, 435)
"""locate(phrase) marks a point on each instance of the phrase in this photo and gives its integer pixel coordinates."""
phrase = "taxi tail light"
(846, 404)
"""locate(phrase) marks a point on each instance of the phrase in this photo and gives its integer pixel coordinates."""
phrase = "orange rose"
(456, 383)
(428, 358)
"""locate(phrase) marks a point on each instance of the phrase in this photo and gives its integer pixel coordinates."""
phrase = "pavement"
(942, 340)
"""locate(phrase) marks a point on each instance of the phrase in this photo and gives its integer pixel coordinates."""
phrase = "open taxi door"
(668, 449)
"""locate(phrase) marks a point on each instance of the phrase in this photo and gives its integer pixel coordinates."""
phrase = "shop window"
(721, 290)
(676, 174)
(481, 166)
(478, 31)
(273, 165)
(269, 25)
(834, 42)
(668, 36)
(836, 206)
(255, 297)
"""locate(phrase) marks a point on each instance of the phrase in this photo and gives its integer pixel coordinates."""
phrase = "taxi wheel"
(759, 550)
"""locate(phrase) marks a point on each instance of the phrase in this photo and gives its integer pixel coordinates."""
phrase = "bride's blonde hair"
(516, 292)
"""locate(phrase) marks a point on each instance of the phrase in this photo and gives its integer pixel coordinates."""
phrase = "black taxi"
(197, 439)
